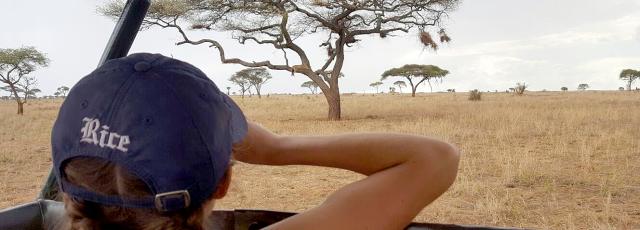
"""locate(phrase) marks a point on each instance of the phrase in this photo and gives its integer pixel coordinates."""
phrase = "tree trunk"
(333, 100)
(258, 92)
(413, 87)
(20, 107)
(18, 99)
(331, 93)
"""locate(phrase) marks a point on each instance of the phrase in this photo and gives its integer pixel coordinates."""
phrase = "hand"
(257, 147)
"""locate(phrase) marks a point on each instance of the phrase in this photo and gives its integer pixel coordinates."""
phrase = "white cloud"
(547, 61)
(626, 28)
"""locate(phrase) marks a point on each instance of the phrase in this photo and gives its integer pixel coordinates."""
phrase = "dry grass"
(543, 160)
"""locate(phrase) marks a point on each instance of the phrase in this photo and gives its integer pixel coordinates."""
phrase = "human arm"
(405, 173)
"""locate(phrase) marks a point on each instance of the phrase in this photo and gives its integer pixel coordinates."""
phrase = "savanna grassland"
(546, 160)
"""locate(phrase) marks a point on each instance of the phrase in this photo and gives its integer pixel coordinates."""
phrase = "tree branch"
(221, 51)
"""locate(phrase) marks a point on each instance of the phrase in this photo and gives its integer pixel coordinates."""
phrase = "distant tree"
(400, 85)
(564, 89)
(520, 88)
(621, 88)
(376, 85)
(332, 25)
(241, 82)
(311, 85)
(583, 86)
(16, 64)
(33, 93)
(28, 88)
(61, 91)
(256, 77)
(451, 90)
(228, 90)
(421, 73)
(392, 90)
(629, 76)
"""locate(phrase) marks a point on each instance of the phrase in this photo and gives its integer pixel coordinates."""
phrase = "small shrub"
(475, 95)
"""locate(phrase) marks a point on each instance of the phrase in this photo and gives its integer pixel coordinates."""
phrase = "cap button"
(142, 66)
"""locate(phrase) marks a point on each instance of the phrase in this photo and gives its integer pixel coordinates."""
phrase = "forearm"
(362, 153)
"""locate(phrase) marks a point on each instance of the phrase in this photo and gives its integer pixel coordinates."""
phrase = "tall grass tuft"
(475, 95)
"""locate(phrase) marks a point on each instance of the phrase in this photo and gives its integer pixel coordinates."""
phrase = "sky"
(547, 44)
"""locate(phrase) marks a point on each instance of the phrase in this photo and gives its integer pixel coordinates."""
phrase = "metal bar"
(126, 30)
(118, 46)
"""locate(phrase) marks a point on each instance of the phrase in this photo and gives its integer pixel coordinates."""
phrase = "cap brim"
(238, 121)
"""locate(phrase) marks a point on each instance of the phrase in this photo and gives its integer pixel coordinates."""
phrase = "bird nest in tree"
(427, 40)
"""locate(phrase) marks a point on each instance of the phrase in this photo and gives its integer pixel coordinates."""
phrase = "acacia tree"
(311, 85)
(583, 86)
(280, 24)
(421, 73)
(564, 89)
(28, 88)
(256, 77)
(376, 85)
(61, 91)
(629, 76)
(241, 82)
(15, 64)
(400, 85)
(228, 89)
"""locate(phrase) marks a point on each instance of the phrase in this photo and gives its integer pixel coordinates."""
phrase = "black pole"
(118, 46)
(126, 30)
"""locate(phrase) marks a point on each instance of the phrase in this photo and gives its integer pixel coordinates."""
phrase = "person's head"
(144, 142)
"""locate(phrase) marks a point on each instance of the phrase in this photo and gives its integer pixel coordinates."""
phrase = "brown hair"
(110, 179)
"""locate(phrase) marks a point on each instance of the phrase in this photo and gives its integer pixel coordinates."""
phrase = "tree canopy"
(256, 77)
(61, 91)
(334, 26)
(629, 75)
(376, 85)
(583, 86)
(241, 82)
(421, 72)
(15, 64)
(400, 85)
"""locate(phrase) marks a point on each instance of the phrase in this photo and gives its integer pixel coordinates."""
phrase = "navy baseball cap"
(160, 118)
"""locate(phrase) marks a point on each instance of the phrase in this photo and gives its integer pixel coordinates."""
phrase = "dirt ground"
(547, 160)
